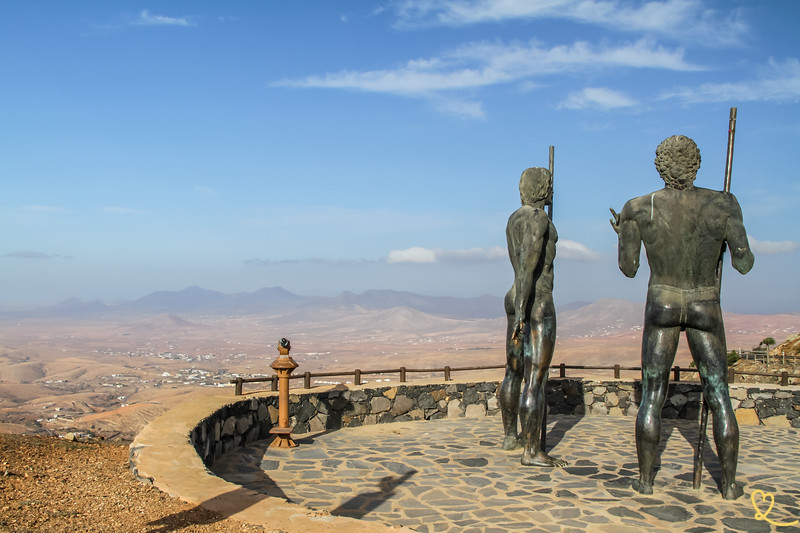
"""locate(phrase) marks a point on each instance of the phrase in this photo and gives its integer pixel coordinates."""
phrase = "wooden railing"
(562, 368)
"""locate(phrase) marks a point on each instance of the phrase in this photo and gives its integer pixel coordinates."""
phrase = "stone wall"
(251, 419)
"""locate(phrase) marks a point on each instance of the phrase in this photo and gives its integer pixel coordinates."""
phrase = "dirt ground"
(49, 484)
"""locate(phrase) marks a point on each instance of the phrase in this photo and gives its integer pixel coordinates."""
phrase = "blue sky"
(332, 146)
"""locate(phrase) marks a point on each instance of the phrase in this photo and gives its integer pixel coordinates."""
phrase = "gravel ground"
(51, 484)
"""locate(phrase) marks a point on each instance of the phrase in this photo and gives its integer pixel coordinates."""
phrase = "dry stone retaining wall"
(245, 421)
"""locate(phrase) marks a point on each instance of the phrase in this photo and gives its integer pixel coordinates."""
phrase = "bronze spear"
(701, 439)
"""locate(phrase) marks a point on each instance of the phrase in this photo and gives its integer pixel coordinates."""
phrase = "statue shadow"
(690, 433)
(556, 433)
(203, 514)
(711, 464)
(366, 502)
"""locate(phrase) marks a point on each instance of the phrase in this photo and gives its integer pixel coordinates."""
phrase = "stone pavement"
(452, 475)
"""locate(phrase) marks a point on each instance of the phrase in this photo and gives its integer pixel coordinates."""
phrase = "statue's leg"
(710, 355)
(509, 395)
(658, 351)
(537, 363)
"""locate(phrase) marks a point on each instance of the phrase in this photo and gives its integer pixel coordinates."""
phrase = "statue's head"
(677, 161)
(535, 185)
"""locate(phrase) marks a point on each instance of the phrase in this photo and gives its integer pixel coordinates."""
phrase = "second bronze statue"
(531, 332)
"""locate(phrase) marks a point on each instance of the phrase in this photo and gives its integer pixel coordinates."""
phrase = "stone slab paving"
(452, 475)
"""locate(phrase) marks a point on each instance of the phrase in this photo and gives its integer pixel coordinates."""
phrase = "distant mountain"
(74, 308)
(604, 317)
(195, 300)
(446, 306)
(278, 301)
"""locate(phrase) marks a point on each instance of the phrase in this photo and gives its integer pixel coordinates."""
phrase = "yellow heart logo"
(766, 497)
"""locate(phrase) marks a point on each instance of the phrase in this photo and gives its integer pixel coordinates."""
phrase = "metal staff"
(701, 439)
(549, 209)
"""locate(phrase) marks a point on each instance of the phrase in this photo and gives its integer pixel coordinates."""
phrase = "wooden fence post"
(562, 370)
(616, 371)
(357, 377)
(274, 382)
(784, 378)
(447, 373)
(402, 374)
(238, 387)
(676, 370)
(307, 380)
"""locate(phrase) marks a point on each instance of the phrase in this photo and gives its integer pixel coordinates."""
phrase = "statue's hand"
(614, 221)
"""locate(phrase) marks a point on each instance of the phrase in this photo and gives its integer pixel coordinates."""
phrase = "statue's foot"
(732, 491)
(642, 487)
(542, 459)
(512, 442)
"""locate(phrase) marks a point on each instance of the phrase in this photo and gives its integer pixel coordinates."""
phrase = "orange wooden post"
(283, 367)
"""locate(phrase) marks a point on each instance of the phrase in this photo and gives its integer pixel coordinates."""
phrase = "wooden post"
(447, 373)
(357, 377)
(307, 380)
(402, 374)
(616, 371)
(238, 391)
(562, 370)
(784, 378)
(283, 367)
(676, 371)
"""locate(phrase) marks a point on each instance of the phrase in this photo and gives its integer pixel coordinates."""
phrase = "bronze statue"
(531, 332)
(684, 230)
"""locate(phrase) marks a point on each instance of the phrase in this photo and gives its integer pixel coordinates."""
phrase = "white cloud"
(483, 64)
(148, 19)
(678, 19)
(776, 82)
(772, 248)
(417, 254)
(412, 255)
(597, 97)
(567, 249)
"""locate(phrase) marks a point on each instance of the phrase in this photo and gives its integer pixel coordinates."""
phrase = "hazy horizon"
(354, 146)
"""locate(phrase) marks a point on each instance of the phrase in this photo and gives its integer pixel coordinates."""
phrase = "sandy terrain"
(112, 376)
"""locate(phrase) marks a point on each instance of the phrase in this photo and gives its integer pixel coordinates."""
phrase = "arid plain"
(112, 372)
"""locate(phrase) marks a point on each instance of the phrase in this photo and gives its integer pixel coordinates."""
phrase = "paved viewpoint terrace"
(452, 475)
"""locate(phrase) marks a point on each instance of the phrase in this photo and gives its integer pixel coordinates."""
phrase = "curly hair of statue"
(678, 151)
(535, 184)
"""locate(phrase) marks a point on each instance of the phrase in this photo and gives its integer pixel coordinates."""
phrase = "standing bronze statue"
(531, 332)
(684, 230)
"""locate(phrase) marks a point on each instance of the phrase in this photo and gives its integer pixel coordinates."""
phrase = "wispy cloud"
(260, 263)
(685, 20)
(146, 18)
(775, 82)
(122, 211)
(203, 190)
(483, 64)
(772, 248)
(45, 209)
(566, 250)
(418, 254)
(598, 98)
(29, 254)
